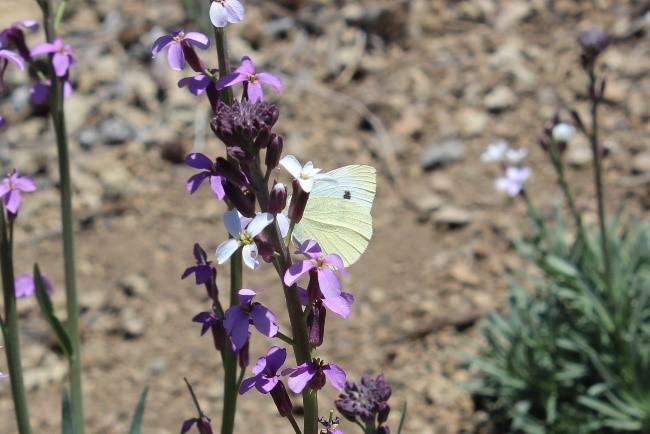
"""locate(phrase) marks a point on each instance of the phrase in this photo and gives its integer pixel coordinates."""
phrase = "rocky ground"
(416, 88)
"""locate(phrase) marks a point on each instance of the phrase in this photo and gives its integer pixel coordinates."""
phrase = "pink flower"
(62, 58)
(252, 80)
(513, 181)
(25, 287)
(175, 43)
(327, 267)
(11, 188)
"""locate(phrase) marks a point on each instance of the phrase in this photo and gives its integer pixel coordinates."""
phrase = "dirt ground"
(373, 82)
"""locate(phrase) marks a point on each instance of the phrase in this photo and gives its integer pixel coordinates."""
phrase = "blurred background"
(415, 88)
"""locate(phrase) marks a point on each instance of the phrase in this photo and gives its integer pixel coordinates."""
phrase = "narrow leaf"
(48, 312)
(402, 419)
(139, 413)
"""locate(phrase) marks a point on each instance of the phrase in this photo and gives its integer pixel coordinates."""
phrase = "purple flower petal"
(13, 57)
(195, 181)
(341, 305)
(42, 48)
(299, 376)
(266, 384)
(230, 80)
(39, 93)
(297, 270)
(196, 85)
(217, 187)
(248, 384)
(270, 80)
(197, 39)
(188, 424)
(61, 62)
(254, 92)
(24, 285)
(310, 248)
(236, 324)
(335, 375)
(246, 296)
(24, 183)
(264, 320)
(246, 67)
(12, 201)
(329, 283)
(175, 57)
(198, 161)
(275, 358)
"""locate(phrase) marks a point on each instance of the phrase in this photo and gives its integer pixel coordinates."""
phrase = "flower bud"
(242, 199)
(318, 380)
(316, 324)
(274, 152)
(383, 429)
(231, 172)
(277, 198)
(563, 133)
(298, 203)
(203, 424)
(218, 335)
(281, 399)
(16, 37)
(192, 58)
(593, 42)
(263, 138)
(244, 354)
(384, 411)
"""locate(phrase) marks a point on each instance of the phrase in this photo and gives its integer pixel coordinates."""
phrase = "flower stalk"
(58, 121)
(9, 326)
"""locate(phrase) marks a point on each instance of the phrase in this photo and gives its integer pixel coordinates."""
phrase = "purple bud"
(274, 152)
(192, 58)
(203, 424)
(593, 42)
(318, 381)
(16, 37)
(264, 247)
(242, 199)
(218, 335)
(298, 203)
(383, 429)
(263, 138)
(244, 354)
(316, 324)
(277, 198)
(281, 399)
(229, 171)
(384, 411)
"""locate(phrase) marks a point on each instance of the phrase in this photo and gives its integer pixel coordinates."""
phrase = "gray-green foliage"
(572, 356)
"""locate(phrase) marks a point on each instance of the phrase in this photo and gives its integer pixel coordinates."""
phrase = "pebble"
(500, 99)
(452, 217)
(472, 122)
(641, 163)
(440, 154)
(115, 131)
(579, 153)
(134, 285)
(132, 323)
(116, 181)
(88, 137)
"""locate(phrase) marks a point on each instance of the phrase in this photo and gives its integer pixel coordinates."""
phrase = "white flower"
(513, 181)
(562, 132)
(495, 152)
(223, 12)
(242, 230)
(306, 175)
(516, 156)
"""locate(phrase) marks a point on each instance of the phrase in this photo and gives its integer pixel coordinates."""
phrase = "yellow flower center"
(245, 238)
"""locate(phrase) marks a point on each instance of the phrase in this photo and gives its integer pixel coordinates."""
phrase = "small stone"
(579, 153)
(452, 217)
(88, 137)
(499, 99)
(132, 323)
(464, 274)
(115, 131)
(440, 154)
(116, 181)
(134, 285)
(472, 122)
(641, 163)
(429, 203)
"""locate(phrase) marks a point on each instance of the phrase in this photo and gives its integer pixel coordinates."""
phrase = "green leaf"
(560, 266)
(139, 413)
(66, 414)
(402, 419)
(48, 312)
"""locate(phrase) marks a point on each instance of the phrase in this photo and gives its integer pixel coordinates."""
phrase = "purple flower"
(326, 267)
(39, 93)
(7, 56)
(340, 305)
(238, 318)
(265, 372)
(176, 41)
(252, 80)
(3, 121)
(223, 12)
(62, 59)
(3, 376)
(10, 190)
(13, 37)
(202, 423)
(203, 269)
(25, 287)
(243, 230)
(314, 374)
(207, 320)
(513, 181)
(196, 84)
(200, 161)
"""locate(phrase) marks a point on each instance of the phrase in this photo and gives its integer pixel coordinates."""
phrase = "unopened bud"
(203, 424)
(316, 324)
(277, 198)
(274, 152)
(298, 203)
(563, 133)
(244, 354)
(281, 399)
(192, 58)
(383, 429)
(263, 138)
(242, 199)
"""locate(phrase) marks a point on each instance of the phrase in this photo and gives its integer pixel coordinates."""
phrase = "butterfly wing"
(340, 226)
(357, 183)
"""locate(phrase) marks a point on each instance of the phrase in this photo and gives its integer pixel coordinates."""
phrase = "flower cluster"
(14, 50)
(514, 174)
(366, 400)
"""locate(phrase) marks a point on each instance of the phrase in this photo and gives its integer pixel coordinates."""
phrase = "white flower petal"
(233, 223)
(292, 165)
(218, 15)
(249, 255)
(258, 224)
(236, 10)
(306, 184)
(226, 249)
(283, 224)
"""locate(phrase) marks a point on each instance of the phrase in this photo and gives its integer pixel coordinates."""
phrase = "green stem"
(558, 165)
(224, 63)
(194, 399)
(370, 427)
(284, 338)
(598, 177)
(58, 120)
(10, 330)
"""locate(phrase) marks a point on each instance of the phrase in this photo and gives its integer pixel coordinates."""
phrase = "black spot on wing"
(347, 195)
